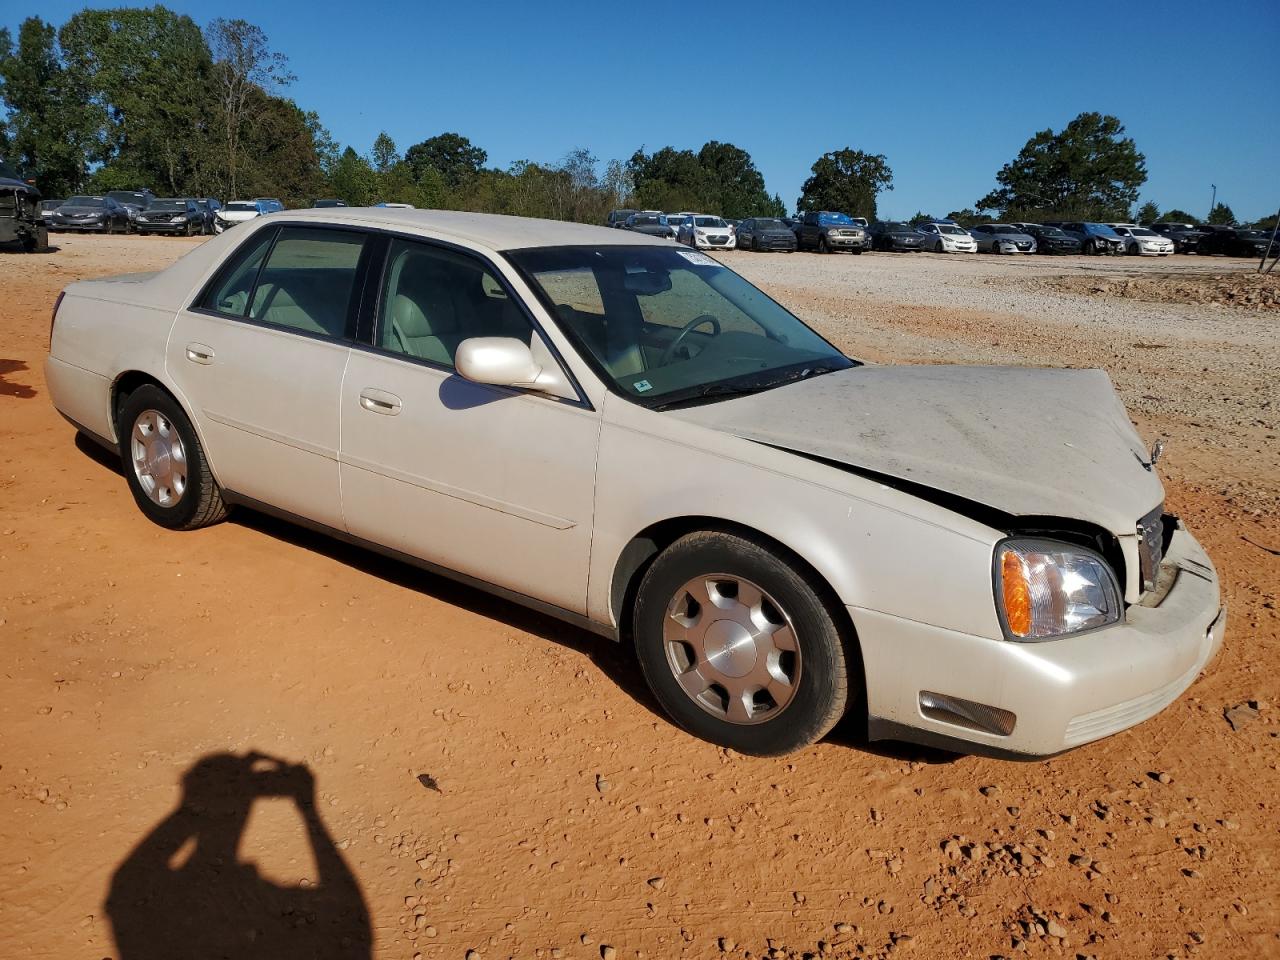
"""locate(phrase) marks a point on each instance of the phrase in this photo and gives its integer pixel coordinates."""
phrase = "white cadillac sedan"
(629, 436)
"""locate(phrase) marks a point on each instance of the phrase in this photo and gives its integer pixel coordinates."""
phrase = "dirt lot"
(467, 776)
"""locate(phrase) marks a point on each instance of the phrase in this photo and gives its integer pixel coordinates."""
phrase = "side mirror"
(508, 362)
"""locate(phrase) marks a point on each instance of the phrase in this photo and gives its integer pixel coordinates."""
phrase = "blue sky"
(948, 93)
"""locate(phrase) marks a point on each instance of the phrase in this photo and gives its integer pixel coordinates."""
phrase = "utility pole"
(1214, 202)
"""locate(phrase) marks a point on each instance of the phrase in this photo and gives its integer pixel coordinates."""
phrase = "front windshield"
(1143, 232)
(127, 196)
(86, 202)
(949, 229)
(167, 205)
(834, 219)
(1050, 232)
(1005, 230)
(1101, 229)
(242, 205)
(771, 225)
(646, 221)
(896, 227)
(714, 222)
(666, 325)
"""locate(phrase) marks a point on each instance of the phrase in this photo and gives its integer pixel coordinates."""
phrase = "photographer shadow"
(182, 892)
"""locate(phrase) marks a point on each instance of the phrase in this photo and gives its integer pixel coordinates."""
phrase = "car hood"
(1025, 441)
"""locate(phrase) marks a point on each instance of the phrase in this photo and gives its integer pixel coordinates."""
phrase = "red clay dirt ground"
(463, 775)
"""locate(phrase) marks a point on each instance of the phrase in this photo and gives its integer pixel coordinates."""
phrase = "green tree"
(150, 69)
(52, 130)
(1178, 216)
(244, 64)
(846, 181)
(451, 155)
(671, 179)
(737, 185)
(1148, 213)
(1088, 171)
(1222, 215)
(385, 155)
(968, 217)
(353, 179)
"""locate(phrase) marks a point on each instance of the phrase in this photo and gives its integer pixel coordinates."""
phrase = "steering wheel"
(670, 352)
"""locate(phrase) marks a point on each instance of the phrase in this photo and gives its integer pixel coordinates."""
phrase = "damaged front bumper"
(938, 687)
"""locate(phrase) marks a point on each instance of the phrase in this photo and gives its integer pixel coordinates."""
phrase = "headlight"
(1046, 589)
(176, 219)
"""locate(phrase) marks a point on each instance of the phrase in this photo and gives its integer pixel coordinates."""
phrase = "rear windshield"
(86, 202)
(167, 205)
(127, 196)
(50, 204)
(1143, 232)
(1051, 232)
(834, 219)
(1101, 229)
(713, 222)
(242, 205)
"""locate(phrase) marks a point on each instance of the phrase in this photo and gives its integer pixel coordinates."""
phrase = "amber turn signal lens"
(1017, 594)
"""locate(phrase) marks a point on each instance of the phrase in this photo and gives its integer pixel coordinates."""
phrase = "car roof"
(492, 230)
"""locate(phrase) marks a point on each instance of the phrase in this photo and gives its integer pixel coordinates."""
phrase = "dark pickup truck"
(828, 232)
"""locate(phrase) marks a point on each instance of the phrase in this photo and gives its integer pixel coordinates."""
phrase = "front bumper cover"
(1065, 692)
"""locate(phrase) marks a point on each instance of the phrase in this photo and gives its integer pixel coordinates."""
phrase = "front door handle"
(379, 401)
(199, 353)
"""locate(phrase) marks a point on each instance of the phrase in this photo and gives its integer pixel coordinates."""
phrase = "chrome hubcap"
(731, 648)
(159, 458)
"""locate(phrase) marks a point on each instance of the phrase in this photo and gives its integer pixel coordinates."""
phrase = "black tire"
(200, 504)
(823, 246)
(821, 692)
(856, 251)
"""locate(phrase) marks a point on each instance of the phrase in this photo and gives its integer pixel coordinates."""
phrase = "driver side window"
(433, 299)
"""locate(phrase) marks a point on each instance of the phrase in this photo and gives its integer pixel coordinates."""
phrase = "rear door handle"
(199, 353)
(379, 401)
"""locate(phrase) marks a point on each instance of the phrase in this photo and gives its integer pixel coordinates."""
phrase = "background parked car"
(946, 237)
(134, 201)
(1234, 241)
(171, 215)
(272, 203)
(652, 224)
(1095, 238)
(828, 231)
(238, 211)
(1051, 240)
(209, 208)
(90, 214)
(894, 235)
(1002, 238)
(616, 217)
(765, 233)
(47, 207)
(1185, 236)
(1141, 242)
(676, 221)
(706, 231)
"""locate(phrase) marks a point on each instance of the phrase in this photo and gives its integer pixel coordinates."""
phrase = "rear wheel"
(164, 462)
(739, 645)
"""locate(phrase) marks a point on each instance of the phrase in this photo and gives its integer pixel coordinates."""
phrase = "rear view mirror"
(646, 283)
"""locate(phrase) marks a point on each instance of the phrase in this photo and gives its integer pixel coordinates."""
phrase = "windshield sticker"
(698, 259)
(642, 386)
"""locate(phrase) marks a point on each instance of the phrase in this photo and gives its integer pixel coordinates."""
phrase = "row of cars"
(831, 232)
(141, 211)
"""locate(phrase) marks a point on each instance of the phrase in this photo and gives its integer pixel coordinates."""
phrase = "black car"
(134, 201)
(91, 215)
(1234, 241)
(890, 235)
(764, 233)
(173, 215)
(1051, 240)
(617, 218)
(209, 207)
(653, 224)
(1185, 236)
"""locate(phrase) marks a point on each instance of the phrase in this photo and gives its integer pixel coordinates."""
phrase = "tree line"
(144, 97)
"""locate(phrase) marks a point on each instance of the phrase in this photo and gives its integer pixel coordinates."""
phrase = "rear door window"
(308, 282)
(229, 293)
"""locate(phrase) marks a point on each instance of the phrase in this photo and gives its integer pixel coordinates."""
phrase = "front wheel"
(164, 462)
(823, 246)
(739, 645)
(1090, 248)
